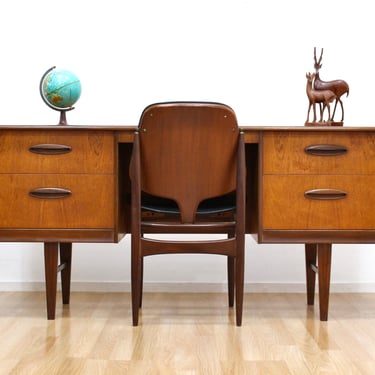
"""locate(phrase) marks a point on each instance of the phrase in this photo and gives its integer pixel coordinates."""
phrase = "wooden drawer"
(285, 205)
(56, 151)
(90, 204)
(284, 153)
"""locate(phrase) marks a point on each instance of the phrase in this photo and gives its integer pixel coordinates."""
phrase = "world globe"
(60, 89)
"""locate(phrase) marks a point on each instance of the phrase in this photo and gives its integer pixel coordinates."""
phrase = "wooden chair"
(188, 176)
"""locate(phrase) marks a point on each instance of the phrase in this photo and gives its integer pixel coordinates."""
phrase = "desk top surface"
(246, 128)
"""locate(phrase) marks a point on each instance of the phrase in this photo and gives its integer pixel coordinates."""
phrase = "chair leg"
(239, 274)
(231, 277)
(141, 284)
(136, 272)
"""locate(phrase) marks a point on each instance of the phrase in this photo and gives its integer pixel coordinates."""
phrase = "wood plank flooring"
(186, 334)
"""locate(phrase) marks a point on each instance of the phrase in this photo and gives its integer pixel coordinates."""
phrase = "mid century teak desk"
(66, 184)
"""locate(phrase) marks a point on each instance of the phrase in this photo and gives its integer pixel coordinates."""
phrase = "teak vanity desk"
(65, 184)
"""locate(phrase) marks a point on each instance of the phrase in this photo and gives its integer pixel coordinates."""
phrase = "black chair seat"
(210, 206)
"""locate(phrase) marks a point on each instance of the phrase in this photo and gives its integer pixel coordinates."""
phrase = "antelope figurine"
(324, 97)
(338, 86)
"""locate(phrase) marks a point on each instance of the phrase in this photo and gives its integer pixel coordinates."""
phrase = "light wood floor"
(186, 334)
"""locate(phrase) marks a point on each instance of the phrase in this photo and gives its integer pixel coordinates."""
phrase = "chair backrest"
(188, 152)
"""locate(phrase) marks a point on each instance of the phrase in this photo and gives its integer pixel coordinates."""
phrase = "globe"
(60, 89)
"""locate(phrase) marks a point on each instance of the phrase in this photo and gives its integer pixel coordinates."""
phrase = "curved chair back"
(188, 152)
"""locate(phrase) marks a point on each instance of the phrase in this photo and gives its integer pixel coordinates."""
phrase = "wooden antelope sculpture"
(319, 97)
(338, 86)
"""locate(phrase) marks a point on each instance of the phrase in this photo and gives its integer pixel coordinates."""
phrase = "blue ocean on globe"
(61, 88)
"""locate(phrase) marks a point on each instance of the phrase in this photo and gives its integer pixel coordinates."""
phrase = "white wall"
(252, 55)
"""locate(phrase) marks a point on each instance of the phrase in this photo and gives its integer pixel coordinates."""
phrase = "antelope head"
(310, 76)
(317, 63)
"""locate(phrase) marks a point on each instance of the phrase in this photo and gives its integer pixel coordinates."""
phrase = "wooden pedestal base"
(328, 123)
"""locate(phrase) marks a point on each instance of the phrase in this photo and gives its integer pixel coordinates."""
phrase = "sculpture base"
(325, 123)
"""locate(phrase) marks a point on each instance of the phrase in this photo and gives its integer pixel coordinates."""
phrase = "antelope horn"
(320, 58)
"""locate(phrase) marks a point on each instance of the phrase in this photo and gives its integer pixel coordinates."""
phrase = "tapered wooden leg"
(239, 283)
(50, 266)
(136, 271)
(141, 283)
(231, 276)
(324, 266)
(66, 262)
(310, 260)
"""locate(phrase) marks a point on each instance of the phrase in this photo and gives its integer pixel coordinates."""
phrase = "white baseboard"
(188, 287)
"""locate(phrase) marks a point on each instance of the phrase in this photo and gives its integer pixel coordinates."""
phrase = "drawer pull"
(50, 149)
(50, 193)
(325, 194)
(326, 150)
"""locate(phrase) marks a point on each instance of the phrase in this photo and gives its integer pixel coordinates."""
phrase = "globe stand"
(63, 116)
(61, 110)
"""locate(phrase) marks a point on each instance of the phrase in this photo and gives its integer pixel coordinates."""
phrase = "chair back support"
(188, 152)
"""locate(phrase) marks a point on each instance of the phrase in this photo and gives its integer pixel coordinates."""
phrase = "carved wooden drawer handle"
(50, 149)
(50, 193)
(326, 150)
(325, 194)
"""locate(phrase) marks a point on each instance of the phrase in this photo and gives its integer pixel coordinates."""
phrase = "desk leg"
(322, 253)
(51, 269)
(51, 253)
(66, 263)
(324, 267)
(310, 259)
